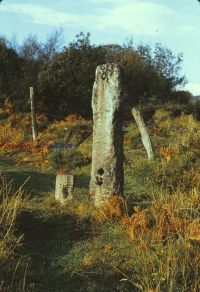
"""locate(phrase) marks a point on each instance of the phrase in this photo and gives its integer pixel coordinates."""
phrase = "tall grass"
(156, 248)
(11, 202)
(153, 245)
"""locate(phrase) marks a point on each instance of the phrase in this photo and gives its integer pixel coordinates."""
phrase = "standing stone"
(64, 187)
(144, 132)
(107, 176)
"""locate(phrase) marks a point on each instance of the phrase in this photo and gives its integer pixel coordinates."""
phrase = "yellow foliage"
(111, 209)
(161, 115)
(88, 261)
(107, 248)
(169, 152)
(8, 107)
(73, 118)
(81, 209)
(41, 118)
(192, 176)
(136, 224)
(45, 150)
(193, 230)
(10, 204)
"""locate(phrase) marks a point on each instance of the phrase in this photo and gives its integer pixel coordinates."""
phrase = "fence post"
(33, 115)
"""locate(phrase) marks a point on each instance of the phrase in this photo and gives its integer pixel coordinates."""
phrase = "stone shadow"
(46, 239)
(82, 181)
(33, 182)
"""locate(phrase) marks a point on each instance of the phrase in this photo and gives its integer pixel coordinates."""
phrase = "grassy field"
(149, 241)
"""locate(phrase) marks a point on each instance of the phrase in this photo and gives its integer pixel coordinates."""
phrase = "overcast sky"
(174, 23)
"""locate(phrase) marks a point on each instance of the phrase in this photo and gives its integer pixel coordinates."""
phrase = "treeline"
(63, 78)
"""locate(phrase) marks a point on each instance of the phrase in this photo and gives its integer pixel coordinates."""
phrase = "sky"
(173, 23)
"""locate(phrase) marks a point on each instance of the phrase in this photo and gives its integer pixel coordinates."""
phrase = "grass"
(11, 204)
(150, 241)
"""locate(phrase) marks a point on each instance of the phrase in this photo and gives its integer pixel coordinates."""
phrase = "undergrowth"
(150, 249)
(149, 240)
(11, 204)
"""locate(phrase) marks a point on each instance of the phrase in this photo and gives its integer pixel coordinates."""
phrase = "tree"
(168, 67)
(20, 66)
(52, 45)
(66, 83)
(149, 73)
(63, 78)
(35, 56)
(10, 69)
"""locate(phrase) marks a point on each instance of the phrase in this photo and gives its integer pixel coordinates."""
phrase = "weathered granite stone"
(144, 132)
(64, 187)
(107, 176)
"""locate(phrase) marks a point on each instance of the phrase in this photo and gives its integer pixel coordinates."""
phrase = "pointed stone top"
(107, 70)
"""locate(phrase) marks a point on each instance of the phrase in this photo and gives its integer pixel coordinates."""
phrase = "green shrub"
(66, 160)
(194, 109)
(147, 111)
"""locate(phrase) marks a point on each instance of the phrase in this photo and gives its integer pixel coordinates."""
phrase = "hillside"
(147, 241)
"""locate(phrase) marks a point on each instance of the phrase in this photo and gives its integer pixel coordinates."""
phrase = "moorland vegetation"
(148, 240)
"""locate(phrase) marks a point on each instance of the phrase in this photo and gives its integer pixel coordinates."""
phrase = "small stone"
(64, 187)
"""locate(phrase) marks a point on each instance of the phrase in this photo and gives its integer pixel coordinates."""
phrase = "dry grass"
(11, 203)
(147, 241)
(153, 249)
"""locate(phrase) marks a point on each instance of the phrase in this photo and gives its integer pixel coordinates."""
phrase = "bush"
(194, 109)
(147, 111)
(182, 96)
(177, 110)
(66, 160)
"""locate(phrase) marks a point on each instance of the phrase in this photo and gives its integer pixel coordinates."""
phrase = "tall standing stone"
(107, 176)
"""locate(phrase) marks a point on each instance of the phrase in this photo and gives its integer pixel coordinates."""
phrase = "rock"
(64, 187)
(107, 176)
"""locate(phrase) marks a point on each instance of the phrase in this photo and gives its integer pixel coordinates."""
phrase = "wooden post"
(143, 131)
(33, 115)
